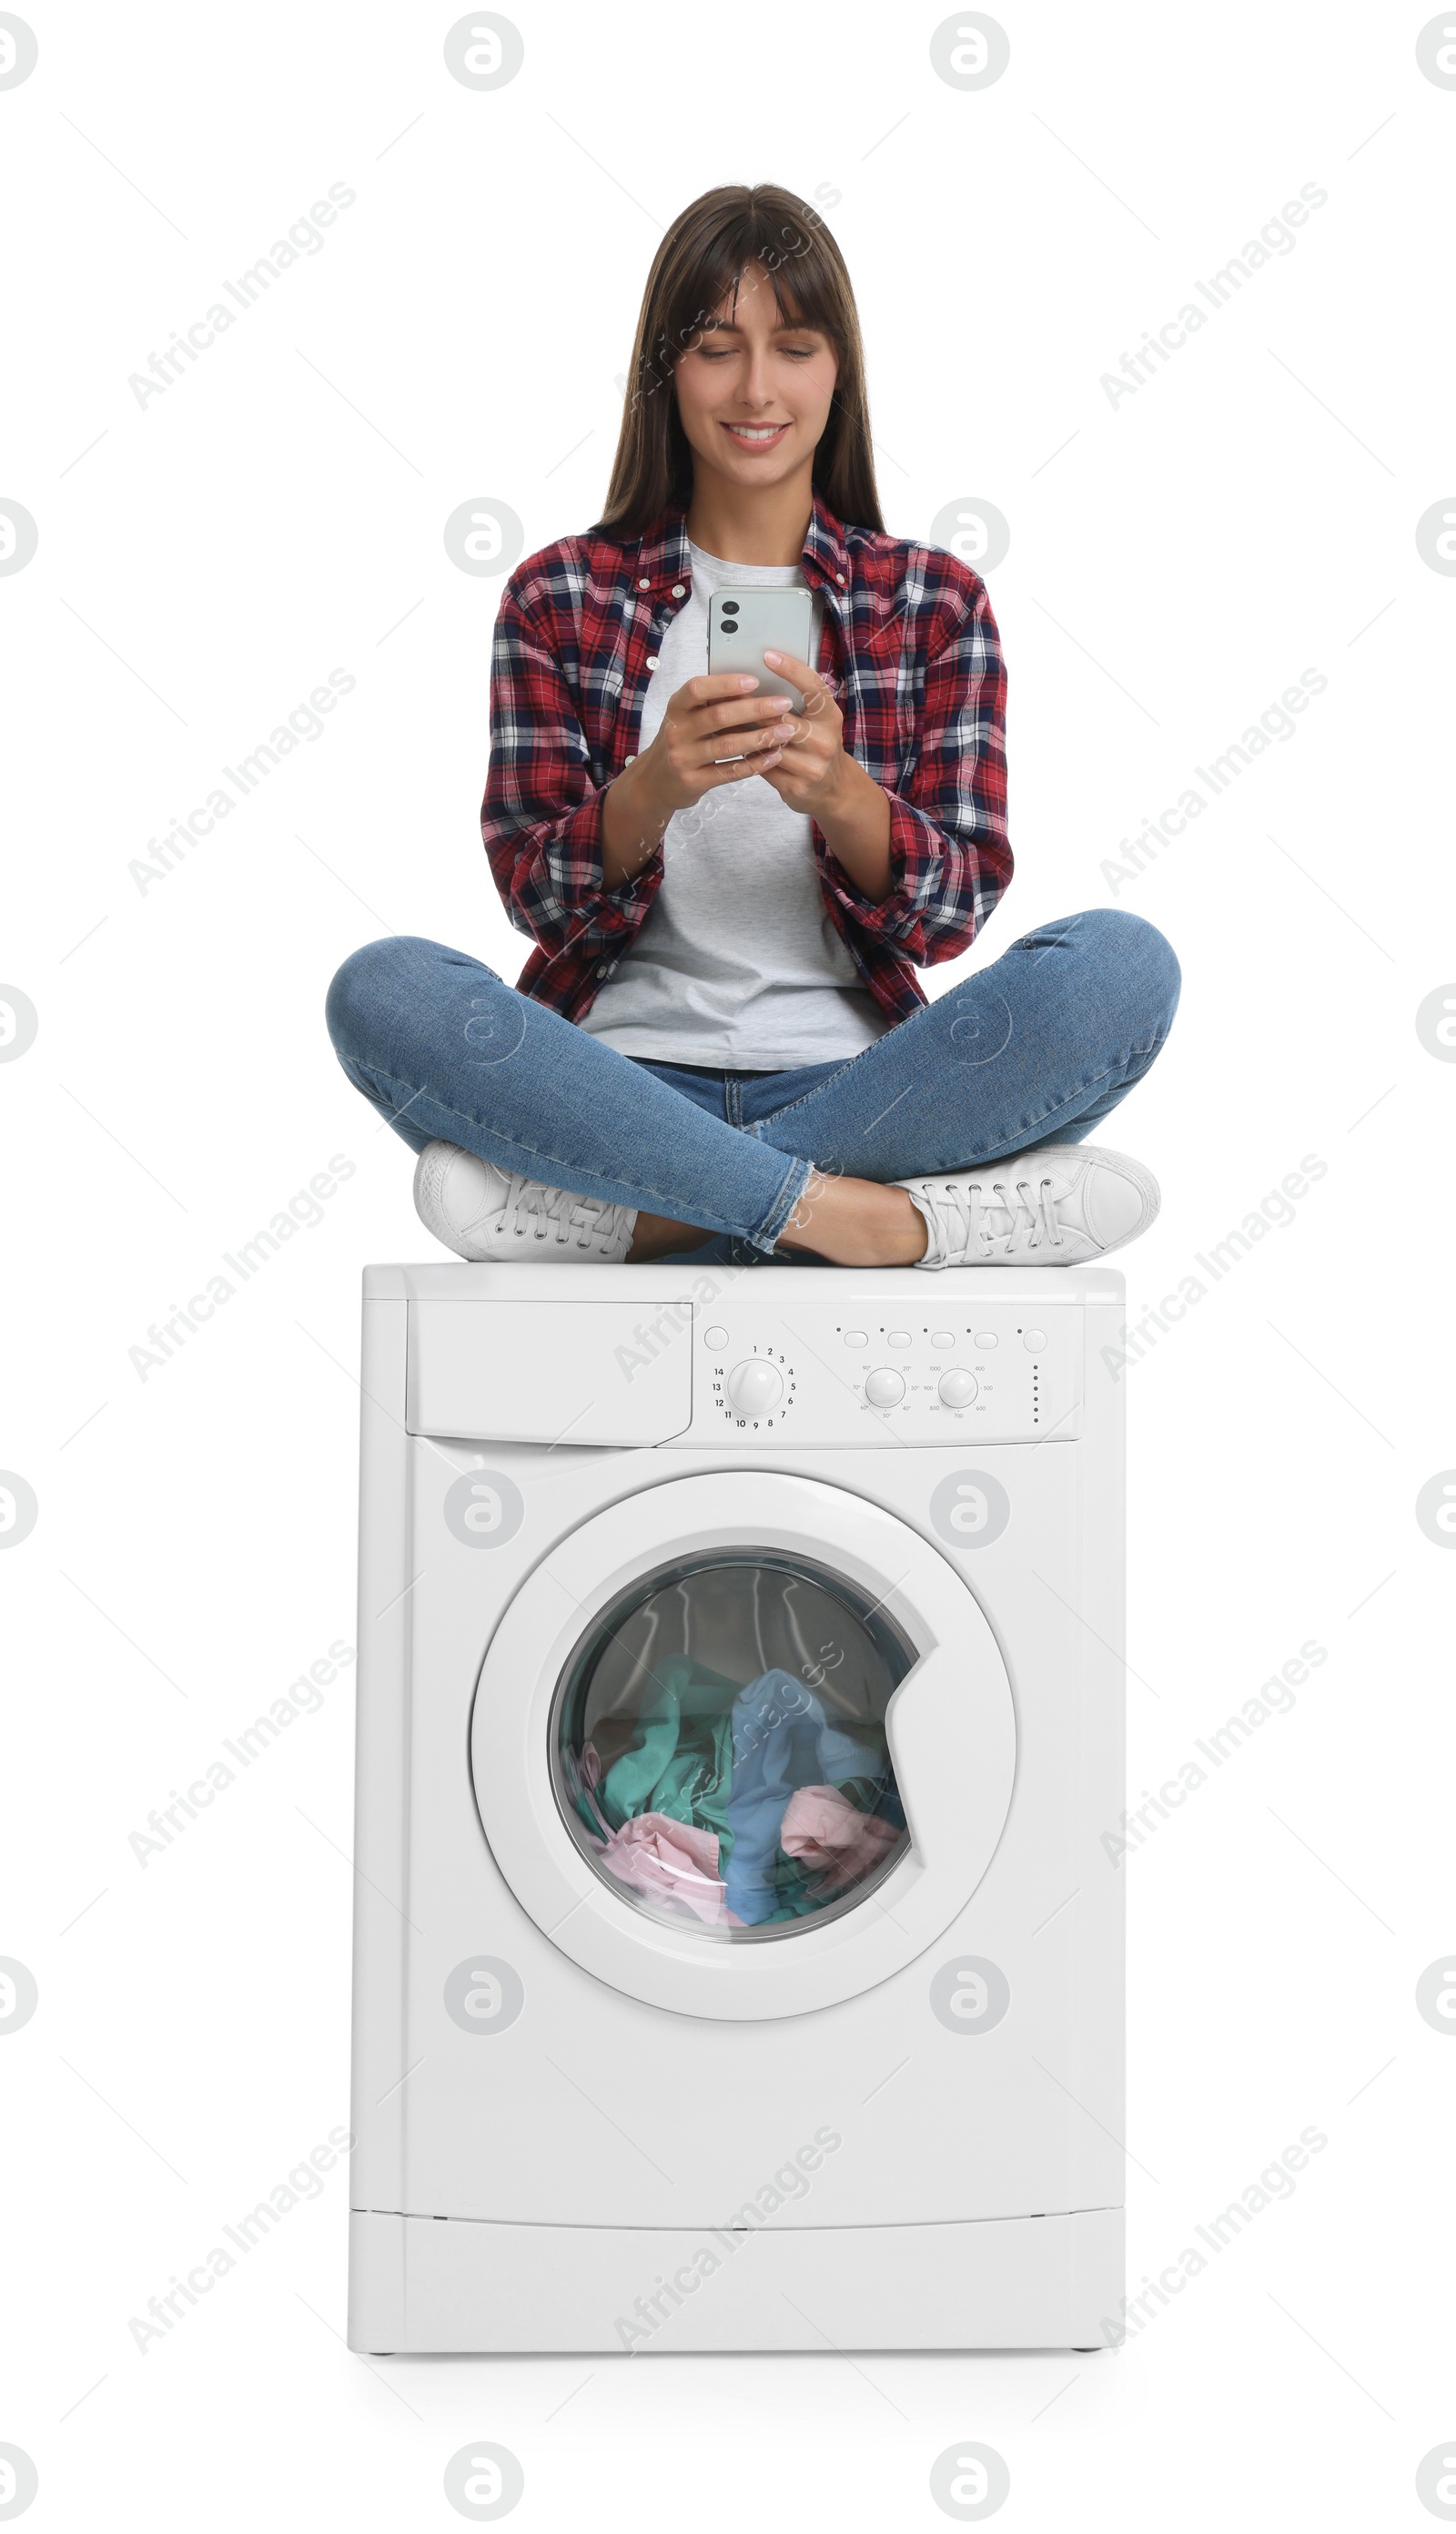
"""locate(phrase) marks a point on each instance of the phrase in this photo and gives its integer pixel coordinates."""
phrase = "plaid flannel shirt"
(911, 654)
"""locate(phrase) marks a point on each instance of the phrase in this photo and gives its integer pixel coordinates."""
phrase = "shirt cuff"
(917, 855)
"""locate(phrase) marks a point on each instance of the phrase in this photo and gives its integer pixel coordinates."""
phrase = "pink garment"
(673, 1862)
(823, 1829)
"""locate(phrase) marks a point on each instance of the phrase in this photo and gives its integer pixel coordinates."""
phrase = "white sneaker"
(480, 1211)
(1055, 1207)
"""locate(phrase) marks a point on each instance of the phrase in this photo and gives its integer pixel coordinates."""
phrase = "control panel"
(947, 1373)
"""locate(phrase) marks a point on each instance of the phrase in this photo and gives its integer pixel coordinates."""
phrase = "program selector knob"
(754, 1387)
(884, 1389)
(957, 1389)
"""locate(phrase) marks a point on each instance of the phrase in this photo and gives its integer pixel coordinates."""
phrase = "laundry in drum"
(741, 1804)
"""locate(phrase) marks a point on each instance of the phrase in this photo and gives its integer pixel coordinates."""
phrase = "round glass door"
(719, 1746)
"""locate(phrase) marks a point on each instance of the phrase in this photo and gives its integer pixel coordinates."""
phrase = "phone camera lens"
(730, 611)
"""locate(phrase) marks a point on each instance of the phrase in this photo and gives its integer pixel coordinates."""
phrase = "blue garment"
(780, 1742)
(1036, 1049)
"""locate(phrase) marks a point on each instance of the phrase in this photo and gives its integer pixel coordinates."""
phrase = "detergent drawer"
(491, 1368)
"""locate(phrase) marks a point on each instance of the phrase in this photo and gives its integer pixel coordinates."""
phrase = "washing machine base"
(422, 2285)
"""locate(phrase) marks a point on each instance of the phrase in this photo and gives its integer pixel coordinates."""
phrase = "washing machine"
(738, 1957)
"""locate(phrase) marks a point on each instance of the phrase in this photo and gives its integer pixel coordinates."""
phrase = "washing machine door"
(743, 1744)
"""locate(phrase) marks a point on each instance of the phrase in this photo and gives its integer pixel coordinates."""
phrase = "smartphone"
(742, 624)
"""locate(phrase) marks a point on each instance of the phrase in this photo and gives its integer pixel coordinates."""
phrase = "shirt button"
(839, 576)
(652, 663)
(628, 760)
(678, 590)
(644, 584)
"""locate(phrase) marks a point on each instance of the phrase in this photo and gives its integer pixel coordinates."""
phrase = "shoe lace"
(539, 1213)
(1029, 1208)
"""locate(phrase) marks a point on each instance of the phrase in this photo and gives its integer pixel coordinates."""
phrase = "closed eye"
(793, 351)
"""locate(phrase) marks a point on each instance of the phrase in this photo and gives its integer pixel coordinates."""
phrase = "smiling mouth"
(755, 435)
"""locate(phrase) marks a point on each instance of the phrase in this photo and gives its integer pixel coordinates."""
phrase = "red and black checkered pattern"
(911, 651)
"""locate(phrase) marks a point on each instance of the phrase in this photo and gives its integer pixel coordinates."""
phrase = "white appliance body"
(895, 2126)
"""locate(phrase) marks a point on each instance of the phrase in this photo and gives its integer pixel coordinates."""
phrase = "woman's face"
(754, 391)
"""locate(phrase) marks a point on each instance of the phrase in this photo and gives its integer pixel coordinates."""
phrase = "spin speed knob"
(754, 1387)
(957, 1389)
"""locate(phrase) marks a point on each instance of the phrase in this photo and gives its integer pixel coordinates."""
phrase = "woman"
(719, 1032)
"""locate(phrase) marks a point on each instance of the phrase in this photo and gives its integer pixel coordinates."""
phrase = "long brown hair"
(699, 263)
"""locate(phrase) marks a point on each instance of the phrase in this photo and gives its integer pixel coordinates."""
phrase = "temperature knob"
(754, 1387)
(884, 1389)
(957, 1389)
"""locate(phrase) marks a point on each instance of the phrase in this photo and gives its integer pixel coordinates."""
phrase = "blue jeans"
(1036, 1049)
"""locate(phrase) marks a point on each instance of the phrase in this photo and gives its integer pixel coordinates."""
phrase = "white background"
(1176, 561)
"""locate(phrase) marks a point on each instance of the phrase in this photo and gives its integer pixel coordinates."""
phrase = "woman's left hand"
(811, 772)
(816, 776)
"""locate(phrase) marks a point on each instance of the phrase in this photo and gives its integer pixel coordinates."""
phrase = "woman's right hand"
(707, 720)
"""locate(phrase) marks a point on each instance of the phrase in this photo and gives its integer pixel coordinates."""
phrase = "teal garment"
(680, 1761)
(865, 1792)
(795, 1890)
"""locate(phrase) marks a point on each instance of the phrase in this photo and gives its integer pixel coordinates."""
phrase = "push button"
(899, 1337)
(857, 1336)
(985, 1338)
(1033, 1340)
(716, 1338)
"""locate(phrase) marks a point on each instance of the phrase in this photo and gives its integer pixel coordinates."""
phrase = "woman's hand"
(814, 773)
(709, 721)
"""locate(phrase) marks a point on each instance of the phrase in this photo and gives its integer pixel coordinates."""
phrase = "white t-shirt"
(737, 963)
